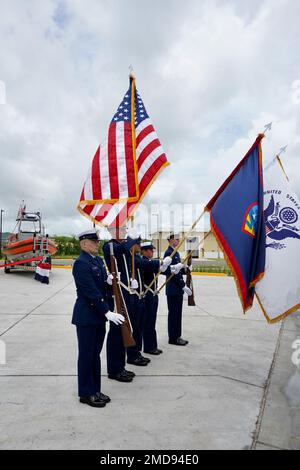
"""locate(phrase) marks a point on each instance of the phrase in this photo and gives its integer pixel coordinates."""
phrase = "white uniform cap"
(89, 234)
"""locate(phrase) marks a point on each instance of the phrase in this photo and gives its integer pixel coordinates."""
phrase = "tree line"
(69, 245)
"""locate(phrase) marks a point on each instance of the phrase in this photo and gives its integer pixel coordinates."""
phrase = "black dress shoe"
(146, 359)
(179, 342)
(155, 352)
(121, 377)
(103, 397)
(139, 361)
(93, 401)
(129, 373)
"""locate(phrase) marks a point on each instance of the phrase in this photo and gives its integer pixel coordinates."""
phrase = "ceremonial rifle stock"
(120, 305)
(132, 263)
(189, 280)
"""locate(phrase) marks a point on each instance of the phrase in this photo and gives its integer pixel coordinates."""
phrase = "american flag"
(124, 166)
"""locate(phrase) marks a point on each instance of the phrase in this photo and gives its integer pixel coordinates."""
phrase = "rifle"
(185, 259)
(132, 263)
(189, 280)
(175, 251)
(120, 305)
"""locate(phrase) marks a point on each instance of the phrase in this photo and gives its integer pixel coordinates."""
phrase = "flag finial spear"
(131, 72)
(282, 150)
(268, 127)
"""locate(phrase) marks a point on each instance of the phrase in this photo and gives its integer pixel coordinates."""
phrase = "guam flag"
(237, 221)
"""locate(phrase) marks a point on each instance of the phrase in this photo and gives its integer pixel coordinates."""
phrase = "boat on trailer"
(28, 244)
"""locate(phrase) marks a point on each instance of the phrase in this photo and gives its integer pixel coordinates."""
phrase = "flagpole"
(280, 163)
(132, 77)
(133, 130)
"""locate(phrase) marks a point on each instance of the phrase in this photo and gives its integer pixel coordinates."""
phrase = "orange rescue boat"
(28, 244)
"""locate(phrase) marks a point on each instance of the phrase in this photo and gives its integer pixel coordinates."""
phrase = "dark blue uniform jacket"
(176, 283)
(92, 291)
(123, 255)
(151, 268)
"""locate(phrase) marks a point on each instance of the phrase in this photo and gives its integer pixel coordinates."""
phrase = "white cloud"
(211, 74)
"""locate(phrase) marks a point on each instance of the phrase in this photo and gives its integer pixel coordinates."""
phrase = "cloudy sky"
(211, 74)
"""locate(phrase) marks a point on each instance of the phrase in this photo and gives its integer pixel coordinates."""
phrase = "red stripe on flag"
(88, 209)
(119, 219)
(112, 162)
(44, 266)
(96, 183)
(122, 216)
(151, 172)
(146, 180)
(82, 194)
(129, 160)
(103, 211)
(146, 131)
(147, 150)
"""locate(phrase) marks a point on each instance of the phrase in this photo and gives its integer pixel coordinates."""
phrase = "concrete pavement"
(219, 392)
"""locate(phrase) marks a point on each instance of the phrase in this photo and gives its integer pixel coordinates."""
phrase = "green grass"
(212, 269)
(214, 259)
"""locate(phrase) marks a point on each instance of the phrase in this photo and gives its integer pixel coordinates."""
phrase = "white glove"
(109, 279)
(187, 290)
(116, 318)
(166, 262)
(175, 268)
(190, 268)
(134, 284)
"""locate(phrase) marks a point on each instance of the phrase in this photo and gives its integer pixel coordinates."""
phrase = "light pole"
(1, 212)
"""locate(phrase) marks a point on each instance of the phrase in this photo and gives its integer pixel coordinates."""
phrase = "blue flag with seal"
(237, 222)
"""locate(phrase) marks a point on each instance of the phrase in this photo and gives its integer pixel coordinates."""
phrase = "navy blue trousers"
(115, 351)
(174, 316)
(135, 308)
(149, 322)
(90, 342)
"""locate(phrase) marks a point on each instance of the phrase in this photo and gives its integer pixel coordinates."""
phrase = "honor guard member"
(132, 288)
(146, 268)
(175, 289)
(136, 302)
(151, 298)
(91, 311)
(115, 350)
